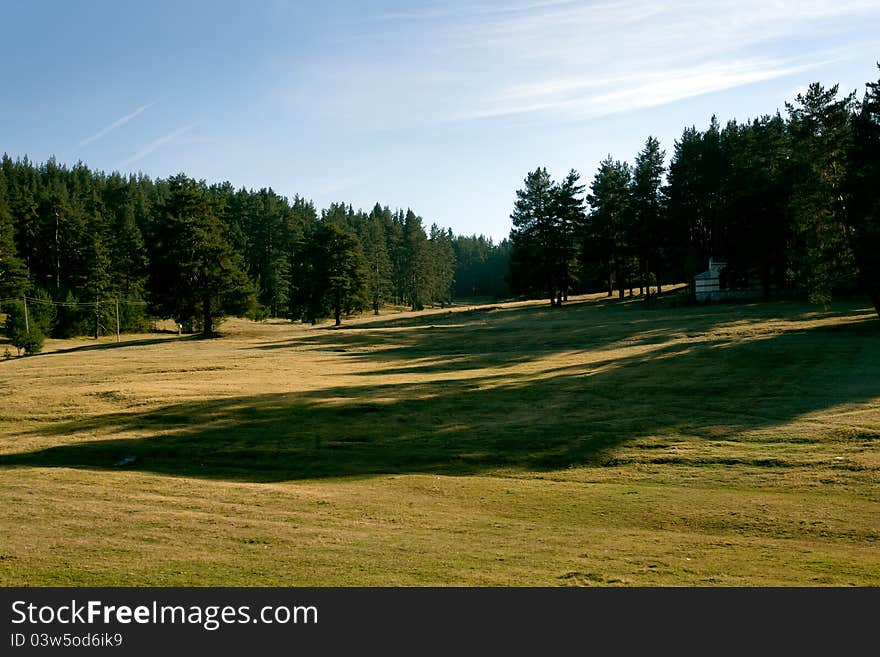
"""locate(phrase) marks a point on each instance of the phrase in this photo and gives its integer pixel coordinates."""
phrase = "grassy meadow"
(601, 443)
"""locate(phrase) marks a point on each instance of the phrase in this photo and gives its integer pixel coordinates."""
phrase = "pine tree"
(470, 255)
(480, 266)
(684, 207)
(534, 259)
(698, 198)
(415, 262)
(26, 329)
(645, 231)
(97, 282)
(196, 277)
(821, 134)
(129, 253)
(442, 265)
(864, 192)
(22, 335)
(268, 248)
(568, 214)
(756, 193)
(397, 253)
(89, 238)
(301, 223)
(604, 237)
(13, 275)
(339, 272)
(375, 249)
(22, 192)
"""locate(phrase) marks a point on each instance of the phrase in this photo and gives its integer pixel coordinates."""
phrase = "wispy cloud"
(589, 59)
(589, 98)
(156, 144)
(449, 10)
(118, 123)
(457, 61)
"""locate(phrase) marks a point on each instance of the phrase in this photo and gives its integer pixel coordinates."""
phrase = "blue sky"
(439, 106)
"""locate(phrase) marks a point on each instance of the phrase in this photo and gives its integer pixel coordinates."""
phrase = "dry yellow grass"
(600, 443)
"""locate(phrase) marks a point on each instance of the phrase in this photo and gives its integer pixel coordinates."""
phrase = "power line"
(78, 304)
(48, 302)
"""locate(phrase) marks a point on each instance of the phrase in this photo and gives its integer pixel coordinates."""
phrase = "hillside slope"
(516, 444)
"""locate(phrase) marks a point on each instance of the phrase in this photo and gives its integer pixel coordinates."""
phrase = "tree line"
(90, 249)
(788, 202)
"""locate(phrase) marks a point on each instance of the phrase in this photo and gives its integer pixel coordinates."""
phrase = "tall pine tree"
(604, 237)
(196, 277)
(645, 230)
(534, 260)
(821, 134)
(415, 262)
(13, 275)
(864, 187)
(373, 239)
(568, 212)
(339, 272)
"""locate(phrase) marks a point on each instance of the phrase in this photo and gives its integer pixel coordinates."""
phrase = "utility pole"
(117, 319)
(97, 305)
(376, 291)
(57, 254)
(27, 326)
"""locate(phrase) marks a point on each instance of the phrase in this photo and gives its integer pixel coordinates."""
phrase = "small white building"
(708, 284)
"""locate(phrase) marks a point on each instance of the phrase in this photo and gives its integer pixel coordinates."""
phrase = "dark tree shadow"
(572, 415)
(105, 346)
(498, 336)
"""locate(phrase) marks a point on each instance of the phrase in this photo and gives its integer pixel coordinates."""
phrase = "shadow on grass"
(498, 337)
(572, 415)
(103, 346)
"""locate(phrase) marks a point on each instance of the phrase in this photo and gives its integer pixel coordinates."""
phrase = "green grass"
(601, 443)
